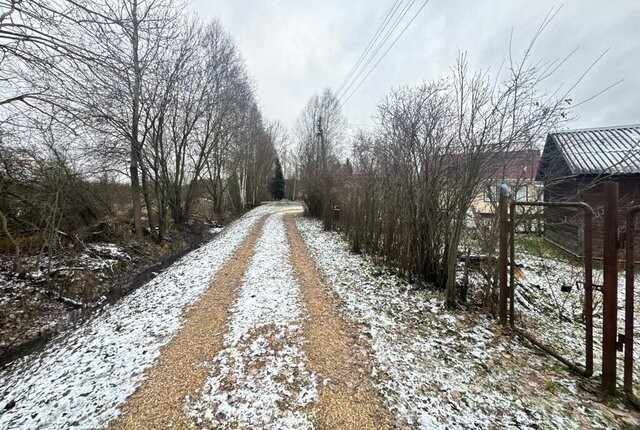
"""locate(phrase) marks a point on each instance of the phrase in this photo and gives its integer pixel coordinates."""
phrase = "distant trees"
(136, 89)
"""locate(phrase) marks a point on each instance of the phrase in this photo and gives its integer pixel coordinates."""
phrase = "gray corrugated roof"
(613, 150)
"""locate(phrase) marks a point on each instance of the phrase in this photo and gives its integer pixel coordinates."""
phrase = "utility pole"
(325, 184)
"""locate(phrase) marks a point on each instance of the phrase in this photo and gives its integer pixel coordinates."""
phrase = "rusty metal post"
(628, 299)
(512, 258)
(588, 288)
(503, 207)
(610, 287)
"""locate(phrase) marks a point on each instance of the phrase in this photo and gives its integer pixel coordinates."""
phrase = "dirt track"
(348, 400)
(181, 368)
(346, 397)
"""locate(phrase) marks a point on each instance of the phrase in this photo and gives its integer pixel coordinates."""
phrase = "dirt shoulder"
(347, 398)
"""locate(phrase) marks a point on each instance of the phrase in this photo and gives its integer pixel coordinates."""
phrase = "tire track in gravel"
(347, 397)
(182, 366)
(260, 380)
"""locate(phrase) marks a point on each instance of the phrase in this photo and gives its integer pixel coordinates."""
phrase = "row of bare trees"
(319, 132)
(136, 89)
(405, 190)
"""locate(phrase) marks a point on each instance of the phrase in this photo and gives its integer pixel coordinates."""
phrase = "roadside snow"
(83, 376)
(111, 250)
(438, 368)
(260, 379)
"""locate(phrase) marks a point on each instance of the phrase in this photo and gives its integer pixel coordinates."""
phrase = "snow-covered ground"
(556, 317)
(260, 379)
(435, 367)
(31, 304)
(438, 368)
(95, 257)
(83, 376)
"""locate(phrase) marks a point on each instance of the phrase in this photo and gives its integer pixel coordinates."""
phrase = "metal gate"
(585, 369)
(629, 302)
(614, 241)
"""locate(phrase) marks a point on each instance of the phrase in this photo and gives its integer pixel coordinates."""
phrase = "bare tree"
(146, 91)
(414, 181)
(319, 133)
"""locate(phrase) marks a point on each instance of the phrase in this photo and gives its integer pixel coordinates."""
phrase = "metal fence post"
(503, 207)
(610, 287)
(629, 301)
(588, 287)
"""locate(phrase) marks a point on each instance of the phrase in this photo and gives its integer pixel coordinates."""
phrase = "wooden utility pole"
(325, 180)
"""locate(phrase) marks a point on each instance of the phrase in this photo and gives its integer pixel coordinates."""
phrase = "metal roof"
(612, 150)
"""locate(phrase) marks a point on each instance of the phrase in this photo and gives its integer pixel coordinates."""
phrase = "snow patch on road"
(260, 379)
(82, 378)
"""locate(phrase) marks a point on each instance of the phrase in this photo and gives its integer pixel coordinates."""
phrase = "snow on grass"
(438, 368)
(556, 317)
(95, 257)
(99, 256)
(111, 250)
(83, 376)
(260, 379)
(10, 288)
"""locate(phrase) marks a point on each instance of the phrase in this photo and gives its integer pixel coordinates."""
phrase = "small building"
(516, 168)
(574, 166)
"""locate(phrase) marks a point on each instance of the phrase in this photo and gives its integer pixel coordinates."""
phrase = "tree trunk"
(452, 259)
(135, 193)
(135, 121)
(149, 206)
(5, 229)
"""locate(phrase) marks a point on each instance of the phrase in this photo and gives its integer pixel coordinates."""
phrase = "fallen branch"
(69, 302)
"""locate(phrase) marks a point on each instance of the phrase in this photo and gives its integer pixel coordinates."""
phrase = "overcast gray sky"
(296, 48)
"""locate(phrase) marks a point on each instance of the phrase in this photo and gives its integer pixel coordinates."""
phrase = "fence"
(615, 239)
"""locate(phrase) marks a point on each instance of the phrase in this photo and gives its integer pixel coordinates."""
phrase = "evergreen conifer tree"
(276, 185)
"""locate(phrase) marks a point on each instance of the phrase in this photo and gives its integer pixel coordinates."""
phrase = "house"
(574, 166)
(518, 169)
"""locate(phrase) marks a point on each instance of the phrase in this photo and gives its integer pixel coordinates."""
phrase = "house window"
(521, 194)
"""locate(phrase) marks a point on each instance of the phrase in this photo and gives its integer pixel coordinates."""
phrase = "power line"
(364, 125)
(378, 47)
(385, 53)
(373, 40)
